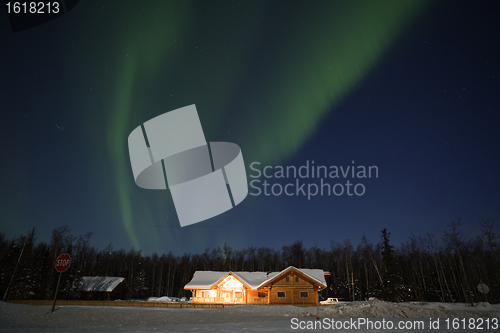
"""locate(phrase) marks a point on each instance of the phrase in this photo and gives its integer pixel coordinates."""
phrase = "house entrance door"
(227, 297)
(238, 297)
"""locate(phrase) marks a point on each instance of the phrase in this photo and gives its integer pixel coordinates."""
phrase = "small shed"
(103, 288)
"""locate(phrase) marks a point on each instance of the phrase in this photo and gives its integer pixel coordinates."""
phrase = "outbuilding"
(103, 288)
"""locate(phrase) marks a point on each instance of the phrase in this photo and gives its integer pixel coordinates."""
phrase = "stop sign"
(63, 262)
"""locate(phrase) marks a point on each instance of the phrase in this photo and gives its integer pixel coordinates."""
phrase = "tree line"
(446, 269)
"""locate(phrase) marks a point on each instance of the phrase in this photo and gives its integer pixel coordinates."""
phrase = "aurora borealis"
(408, 86)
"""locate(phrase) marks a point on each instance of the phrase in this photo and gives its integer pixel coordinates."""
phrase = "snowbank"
(379, 309)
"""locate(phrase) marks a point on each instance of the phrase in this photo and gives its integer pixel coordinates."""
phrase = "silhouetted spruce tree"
(392, 282)
(140, 288)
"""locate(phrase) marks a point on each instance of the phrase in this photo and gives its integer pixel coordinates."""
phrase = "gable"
(317, 275)
(298, 276)
(292, 278)
(230, 283)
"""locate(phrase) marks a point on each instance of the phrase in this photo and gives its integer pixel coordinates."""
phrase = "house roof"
(205, 279)
(100, 283)
(317, 275)
(253, 280)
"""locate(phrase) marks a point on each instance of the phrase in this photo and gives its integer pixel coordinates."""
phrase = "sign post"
(317, 304)
(62, 264)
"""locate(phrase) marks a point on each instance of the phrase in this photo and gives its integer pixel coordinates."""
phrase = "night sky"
(411, 87)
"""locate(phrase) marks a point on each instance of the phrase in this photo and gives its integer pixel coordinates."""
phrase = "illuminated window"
(281, 293)
(304, 294)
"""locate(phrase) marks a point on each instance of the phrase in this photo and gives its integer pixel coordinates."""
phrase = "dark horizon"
(449, 269)
(463, 237)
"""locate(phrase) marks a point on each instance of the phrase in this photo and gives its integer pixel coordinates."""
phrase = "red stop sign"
(63, 262)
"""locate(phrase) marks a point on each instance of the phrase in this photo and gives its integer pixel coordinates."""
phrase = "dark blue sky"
(412, 89)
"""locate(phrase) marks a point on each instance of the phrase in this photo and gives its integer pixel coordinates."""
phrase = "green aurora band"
(344, 49)
(145, 50)
(344, 44)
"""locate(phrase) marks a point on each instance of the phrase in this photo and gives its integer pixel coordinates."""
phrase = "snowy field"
(250, 318)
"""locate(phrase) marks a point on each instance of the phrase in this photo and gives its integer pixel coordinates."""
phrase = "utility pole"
(17, 264)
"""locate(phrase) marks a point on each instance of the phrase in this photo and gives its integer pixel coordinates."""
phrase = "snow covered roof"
(315, 274)
(100, 283)
(253, 280)
(205, 279)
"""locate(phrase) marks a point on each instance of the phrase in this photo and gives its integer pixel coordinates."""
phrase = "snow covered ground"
(249, 318)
